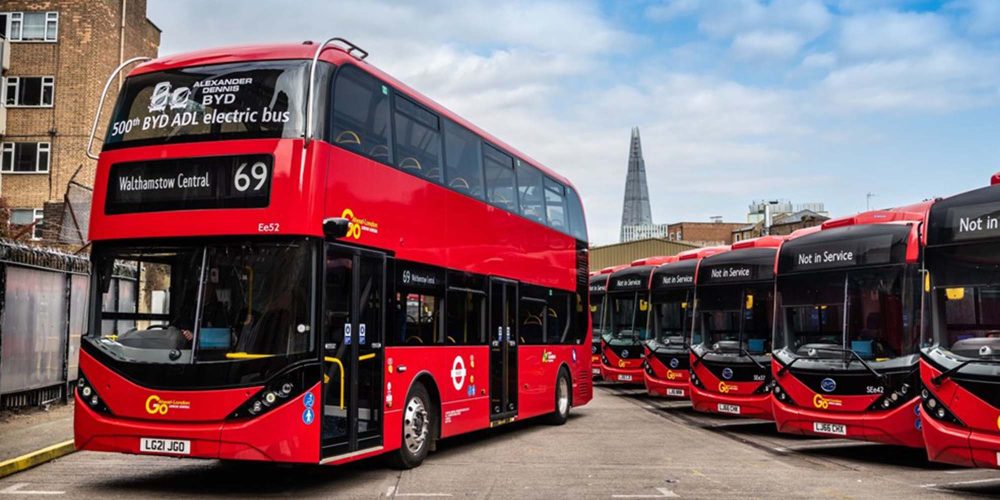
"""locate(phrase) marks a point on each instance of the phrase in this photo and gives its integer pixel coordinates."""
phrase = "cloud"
(767, 45)
(944, 79)
(979, 17)
(888, 33)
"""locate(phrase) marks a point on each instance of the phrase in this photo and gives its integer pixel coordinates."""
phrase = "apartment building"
(57, 57)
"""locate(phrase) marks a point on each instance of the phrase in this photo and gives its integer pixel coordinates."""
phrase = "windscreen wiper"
(951, 371)
(744, 352)
(787, 367)
(853, 353)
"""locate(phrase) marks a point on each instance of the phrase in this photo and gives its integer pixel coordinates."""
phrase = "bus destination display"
(241, 181)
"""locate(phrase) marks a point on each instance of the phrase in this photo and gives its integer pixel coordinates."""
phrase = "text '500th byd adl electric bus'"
(598, 287)
(297, 258)
(847, 328)
(734, 305)
(627, 305)
(671, 297)
(960, 366)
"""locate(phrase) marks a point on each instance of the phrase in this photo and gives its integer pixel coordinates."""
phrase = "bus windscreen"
(223, 101)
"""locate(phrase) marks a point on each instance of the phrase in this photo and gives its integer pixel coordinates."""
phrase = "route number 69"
(242, 180)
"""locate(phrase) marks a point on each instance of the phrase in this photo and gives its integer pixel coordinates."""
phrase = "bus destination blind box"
(240, 181)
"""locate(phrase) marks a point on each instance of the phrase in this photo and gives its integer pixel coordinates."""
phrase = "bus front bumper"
(677, 388)
(899, 426)
(280, 435)
(960, 446)
(750, 406)
(622, 375)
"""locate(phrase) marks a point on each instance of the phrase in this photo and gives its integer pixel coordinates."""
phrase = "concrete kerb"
(38, 457)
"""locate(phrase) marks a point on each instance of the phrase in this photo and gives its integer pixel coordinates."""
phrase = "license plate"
(625, 378)
(675, 392)
(825, 428)
(724, 408)
(172, 446)
(595, 371)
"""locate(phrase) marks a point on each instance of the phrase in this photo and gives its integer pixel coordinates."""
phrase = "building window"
(25, 157)
(27, 216)
(29, 90)
(33, 26)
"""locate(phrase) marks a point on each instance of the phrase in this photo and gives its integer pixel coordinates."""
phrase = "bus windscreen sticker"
(241, 181)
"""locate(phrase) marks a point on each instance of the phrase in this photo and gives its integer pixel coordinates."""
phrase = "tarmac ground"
(622, 445)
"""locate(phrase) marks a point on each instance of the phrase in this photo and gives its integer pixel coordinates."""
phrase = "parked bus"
(598, 286)
(627, 310)
(847, 329)
(331, 266)
(960, 365)
(665, 355)
(734, 305)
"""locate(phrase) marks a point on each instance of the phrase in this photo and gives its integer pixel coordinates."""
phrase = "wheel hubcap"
(416, 426)
(562, 393)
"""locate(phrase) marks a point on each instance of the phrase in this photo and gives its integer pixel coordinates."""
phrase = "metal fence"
(43, 313)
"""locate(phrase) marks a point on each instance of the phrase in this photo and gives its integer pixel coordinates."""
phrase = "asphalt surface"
(622, 445)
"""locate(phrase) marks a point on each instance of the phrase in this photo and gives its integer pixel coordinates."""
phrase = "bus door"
(503, 350)
(354, 324)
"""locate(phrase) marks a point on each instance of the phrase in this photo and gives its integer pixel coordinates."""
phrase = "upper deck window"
(361, 114)
(418, 140)
(463, 158)
(529, 188)
(222, 101)
(577, 224)
(499, 178)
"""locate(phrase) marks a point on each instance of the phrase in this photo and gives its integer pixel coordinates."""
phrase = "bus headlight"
(88, 395)
(279, 390)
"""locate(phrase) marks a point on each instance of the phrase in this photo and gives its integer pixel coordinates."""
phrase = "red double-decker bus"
(960, 362)
(734, 306)
(322, 265)
(627, 304)
(671, 297)
(598, 288)
(848, 326)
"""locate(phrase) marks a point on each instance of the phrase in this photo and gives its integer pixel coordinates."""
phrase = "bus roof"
(331, 54)
(654, 261)
(701, 253)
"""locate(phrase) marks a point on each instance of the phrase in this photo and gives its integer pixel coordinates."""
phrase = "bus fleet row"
(883, 326)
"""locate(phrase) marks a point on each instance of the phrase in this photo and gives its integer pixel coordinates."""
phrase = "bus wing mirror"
(335, 227)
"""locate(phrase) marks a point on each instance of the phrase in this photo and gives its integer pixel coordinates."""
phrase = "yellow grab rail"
(247, 355)
(331, 359)
(366, 357)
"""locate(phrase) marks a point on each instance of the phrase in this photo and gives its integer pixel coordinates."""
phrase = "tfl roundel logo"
(727, 373)
(674, 362)
(828, 385)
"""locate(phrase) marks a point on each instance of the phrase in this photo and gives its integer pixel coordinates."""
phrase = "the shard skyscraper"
(635, 210)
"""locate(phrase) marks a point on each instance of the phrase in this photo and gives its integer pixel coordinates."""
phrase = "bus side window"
(418, 306)
(418, 140)
(499, 169)
(361, 114)
(463, 160)
(577, 224)
(558, 318)
(529, 190)
(555, 205)
(466, 316)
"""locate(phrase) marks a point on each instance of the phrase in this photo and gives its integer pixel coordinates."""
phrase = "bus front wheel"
(419, 424)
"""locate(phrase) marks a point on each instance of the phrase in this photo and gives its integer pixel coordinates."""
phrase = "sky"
(736, 100)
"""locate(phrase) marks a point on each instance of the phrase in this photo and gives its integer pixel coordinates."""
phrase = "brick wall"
(704, 233)
(86, 52)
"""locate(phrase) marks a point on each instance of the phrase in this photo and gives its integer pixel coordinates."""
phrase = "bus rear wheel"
(562, 402)
(419, 429)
